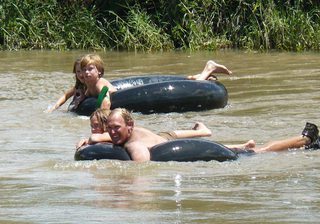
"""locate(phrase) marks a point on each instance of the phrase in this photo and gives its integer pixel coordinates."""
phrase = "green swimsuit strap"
(101, 96)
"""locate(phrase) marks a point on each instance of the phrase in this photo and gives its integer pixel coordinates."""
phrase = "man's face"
(118, 130)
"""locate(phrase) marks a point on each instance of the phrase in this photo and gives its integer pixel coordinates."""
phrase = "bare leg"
(211, 68)
(248, 145)
(199, 130)
(281, 145)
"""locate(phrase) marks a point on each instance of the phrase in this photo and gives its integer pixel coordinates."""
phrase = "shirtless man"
(137, 140)
(99, 134)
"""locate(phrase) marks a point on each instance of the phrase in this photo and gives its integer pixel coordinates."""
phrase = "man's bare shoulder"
(143, 132)
(142, 129)
(138, 151)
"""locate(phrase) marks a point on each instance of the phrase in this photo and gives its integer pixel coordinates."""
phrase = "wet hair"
(79, 84)
(93, 59)
(102, 117)
(76, 62)
(124, 113)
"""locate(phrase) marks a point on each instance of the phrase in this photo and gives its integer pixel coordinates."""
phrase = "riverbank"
(158, 25)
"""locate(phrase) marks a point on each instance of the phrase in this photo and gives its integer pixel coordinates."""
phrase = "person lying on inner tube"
(99, 134)
(137, 141)
(89, 71)
(93, 70)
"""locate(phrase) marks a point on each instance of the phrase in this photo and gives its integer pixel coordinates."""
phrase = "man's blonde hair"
(124, 113)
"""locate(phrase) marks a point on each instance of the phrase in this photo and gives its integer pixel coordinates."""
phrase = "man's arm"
(138, 152)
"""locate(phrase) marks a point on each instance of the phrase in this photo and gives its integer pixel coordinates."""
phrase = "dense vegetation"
(148, 25)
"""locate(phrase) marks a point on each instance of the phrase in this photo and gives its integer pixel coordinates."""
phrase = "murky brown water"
(271, 96)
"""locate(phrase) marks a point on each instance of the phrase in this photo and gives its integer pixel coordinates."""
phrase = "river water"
(271, 96)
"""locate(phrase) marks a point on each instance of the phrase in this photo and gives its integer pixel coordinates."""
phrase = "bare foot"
(249, 144)
(211, 67)
(201, 127)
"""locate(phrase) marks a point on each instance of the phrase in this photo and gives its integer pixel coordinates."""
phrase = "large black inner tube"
(128, 82)
(190, 150)
(162, 94)
(180, 150)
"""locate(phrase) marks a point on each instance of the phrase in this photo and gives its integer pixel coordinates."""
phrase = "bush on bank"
(153, 25)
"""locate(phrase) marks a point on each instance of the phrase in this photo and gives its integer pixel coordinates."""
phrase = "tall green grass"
(139, 32)
(271, 27)
(38, 24)
(153, 25)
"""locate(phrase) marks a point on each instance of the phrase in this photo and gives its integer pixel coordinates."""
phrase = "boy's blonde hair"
(102, 117)
(93, 59)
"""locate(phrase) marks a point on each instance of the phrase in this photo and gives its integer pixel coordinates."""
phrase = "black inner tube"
(161, 94)
(180, 150)
(101, 151)
(190, 150)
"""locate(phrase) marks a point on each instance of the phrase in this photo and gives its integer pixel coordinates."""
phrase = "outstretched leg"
(281, 145)
(247, 145)
(210, 68)
(308, 137)
(199, 130)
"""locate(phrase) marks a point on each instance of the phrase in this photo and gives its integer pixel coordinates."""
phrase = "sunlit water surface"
(271, 96)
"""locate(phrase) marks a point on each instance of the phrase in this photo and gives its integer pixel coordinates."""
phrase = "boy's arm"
(106, 103)
(62, 99)
(81, 143)
(96, 138)
(112, 89)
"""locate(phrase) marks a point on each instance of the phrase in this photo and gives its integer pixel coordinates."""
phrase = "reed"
(139, 32)
(49, 25)
(271, 28)
(196, 28)
(153, 25)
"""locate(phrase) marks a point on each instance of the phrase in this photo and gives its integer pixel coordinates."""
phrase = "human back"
(146, 137)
